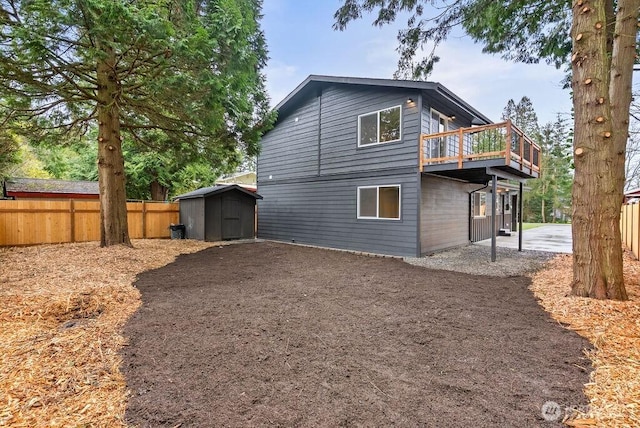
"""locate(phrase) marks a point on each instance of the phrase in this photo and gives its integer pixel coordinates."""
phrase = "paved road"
(555, 238)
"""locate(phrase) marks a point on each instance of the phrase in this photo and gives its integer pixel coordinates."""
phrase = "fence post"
(508, 145)
(623, 224)
(460, 147)
(421, 149)
(72, 221)
(521, 141)
(634, 248)
(144, 220)
(630, 228)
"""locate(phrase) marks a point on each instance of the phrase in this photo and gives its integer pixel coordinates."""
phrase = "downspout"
(419, 183)
(470, 212)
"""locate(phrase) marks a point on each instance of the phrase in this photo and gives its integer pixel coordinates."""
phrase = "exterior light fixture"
(409, 100)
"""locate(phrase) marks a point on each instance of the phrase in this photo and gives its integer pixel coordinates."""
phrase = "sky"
(301, 42)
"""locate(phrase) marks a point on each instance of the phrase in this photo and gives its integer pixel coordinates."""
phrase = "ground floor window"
(379, 202)
(479, 202)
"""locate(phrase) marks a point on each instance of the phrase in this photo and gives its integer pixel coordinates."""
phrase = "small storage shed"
(219, 213)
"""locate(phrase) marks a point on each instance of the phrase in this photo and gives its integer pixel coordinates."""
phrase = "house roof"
(41, 185)
(213, 190)
(314, 82)
(632, 192)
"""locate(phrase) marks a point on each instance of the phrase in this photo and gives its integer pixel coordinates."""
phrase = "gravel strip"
(476, 259)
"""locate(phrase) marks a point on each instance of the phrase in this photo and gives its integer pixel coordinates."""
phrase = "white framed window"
(379, 202)
(479, 204)
(382, 126)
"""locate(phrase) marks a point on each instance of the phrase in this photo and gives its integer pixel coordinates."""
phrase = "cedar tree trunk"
(113, 203)
(158, 191)
(602, 65)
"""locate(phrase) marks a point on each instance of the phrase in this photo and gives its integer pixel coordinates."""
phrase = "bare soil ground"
(274, 334)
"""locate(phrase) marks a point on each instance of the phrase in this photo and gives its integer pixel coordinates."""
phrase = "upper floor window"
(382, 126)
(379, 202)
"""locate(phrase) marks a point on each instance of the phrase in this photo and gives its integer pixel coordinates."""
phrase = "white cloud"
(281, 79)
(487, 81)
(301, 42)
(380, 56)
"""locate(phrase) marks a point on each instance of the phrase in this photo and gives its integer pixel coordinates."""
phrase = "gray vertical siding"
(245, 214)
(290, 150)
(293, 150)
(444, 214)
(309, 170)
(213, 216)
(339, 149)
(192, 216)
(460, 121)
(323, 212)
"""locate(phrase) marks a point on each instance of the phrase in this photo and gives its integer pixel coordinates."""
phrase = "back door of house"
(231, 218)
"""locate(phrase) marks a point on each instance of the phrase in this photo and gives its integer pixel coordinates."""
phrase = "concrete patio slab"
(555, 238)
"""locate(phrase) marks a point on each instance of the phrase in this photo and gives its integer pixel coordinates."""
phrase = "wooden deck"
(504, 144)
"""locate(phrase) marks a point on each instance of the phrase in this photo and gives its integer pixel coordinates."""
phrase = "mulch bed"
(613, 328)
(62, 308)
(275, 334)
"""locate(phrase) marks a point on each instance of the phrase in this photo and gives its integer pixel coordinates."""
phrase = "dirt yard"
(273, 334)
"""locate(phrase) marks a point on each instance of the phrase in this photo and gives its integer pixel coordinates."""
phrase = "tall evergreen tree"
(550, 194)
(189, 69)
(598, 38)
(523, 115)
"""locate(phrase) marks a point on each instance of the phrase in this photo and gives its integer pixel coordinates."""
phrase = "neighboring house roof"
(208, 191)
(314, 82)
(243, 178)
(632, 196)
(43, 187)
(632, 192)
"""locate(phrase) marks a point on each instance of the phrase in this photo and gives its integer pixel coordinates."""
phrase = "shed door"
(231, 218)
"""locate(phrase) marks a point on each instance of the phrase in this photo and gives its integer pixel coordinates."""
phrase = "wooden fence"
(630, 228)
(29, 222)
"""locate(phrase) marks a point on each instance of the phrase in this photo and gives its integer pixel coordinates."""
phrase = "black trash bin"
(177, 231)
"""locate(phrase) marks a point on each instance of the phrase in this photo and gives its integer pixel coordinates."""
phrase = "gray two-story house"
(387, 166)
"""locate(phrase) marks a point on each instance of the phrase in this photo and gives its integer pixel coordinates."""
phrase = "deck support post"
(520, 207)
(494, 190)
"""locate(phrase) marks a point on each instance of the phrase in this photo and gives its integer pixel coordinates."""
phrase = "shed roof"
(221, 188)
(314, 82)
(42, 185)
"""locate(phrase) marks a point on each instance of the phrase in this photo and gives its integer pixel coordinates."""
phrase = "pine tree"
(188, 69)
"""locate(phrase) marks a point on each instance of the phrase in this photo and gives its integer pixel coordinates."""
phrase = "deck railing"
(495, 141)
